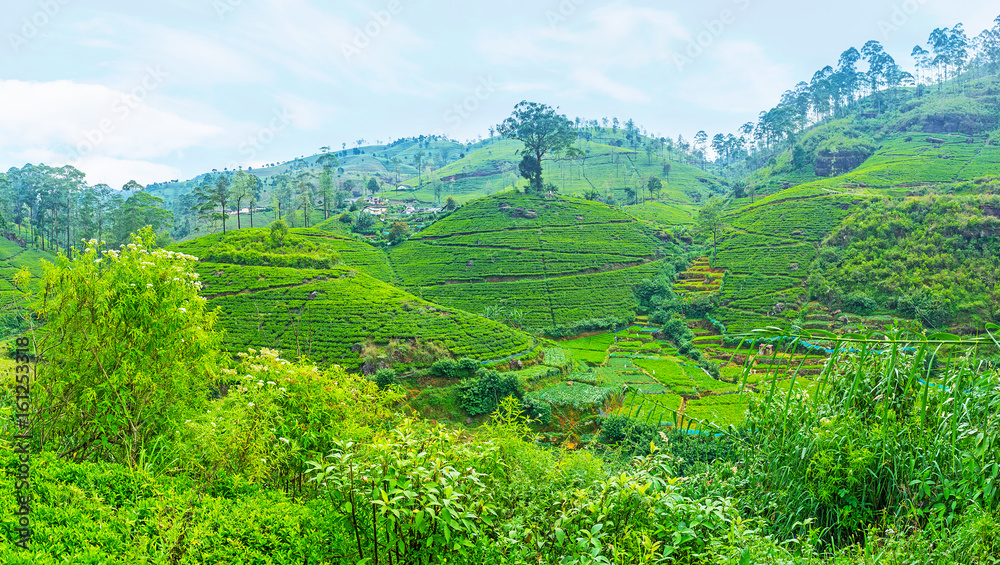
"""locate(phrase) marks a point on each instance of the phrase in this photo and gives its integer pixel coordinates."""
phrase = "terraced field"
(557, 260)
(491, 166)
(12, 259)
(663, 213)
(349, 252)
(328, 313)
(631, 373)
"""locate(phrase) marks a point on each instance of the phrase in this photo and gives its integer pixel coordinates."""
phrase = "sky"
(155, 91)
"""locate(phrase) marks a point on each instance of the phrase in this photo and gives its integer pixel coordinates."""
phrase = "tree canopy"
(542, 131)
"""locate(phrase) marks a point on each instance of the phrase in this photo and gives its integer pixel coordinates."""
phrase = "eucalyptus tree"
(244, 186)
(215, 192)
(140, 210)
(328, 161)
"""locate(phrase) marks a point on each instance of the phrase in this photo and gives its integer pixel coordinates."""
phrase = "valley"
(572, 340)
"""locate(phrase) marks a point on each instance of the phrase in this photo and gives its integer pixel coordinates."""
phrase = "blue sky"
(162, 90)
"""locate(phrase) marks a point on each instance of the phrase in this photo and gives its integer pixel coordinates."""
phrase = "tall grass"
(901, 429)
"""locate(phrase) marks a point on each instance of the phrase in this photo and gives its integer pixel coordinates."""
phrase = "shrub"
(537, 409)
(129, 347)
(279, 231)
(385, 377)
(859, 303)
(463, 368)
(481, 394)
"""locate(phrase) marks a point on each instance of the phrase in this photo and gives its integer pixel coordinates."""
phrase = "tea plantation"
(329, 312)
(556, 260)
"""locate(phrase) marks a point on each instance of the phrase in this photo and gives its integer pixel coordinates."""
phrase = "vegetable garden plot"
(659, 409)
(599, 342)
(576, 395)
(720, 410)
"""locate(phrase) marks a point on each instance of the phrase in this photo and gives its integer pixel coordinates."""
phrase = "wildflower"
(183, 310)
(284, 439)
(250, 404)
(149, 285)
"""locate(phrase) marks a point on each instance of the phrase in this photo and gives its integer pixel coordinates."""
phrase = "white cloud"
(595, 81)
(306, 114)
(734, 76)
(93, 125)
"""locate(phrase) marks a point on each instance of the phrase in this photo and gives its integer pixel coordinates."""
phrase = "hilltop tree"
(373, 186)
(132, 186)
(542, 131)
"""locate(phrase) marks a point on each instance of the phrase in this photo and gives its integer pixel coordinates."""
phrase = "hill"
(340, 311)
(556, 260)
(605, 169)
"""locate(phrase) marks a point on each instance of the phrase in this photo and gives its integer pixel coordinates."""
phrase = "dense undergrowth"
(931, 258)
(260, 460)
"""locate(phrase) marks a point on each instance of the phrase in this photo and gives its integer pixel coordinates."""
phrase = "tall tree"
(214, 193)
(710, 220)
(328, 161)
(244, 187)
(542, 131)
(142, 209)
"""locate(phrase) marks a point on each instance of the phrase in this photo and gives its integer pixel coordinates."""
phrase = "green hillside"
(330, 301)
(558, 260)
(13, 258)
(606, 169)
